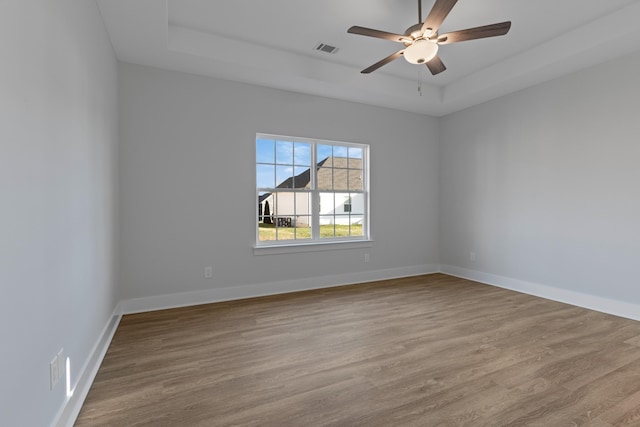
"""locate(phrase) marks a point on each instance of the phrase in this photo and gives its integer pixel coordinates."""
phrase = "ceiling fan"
(421, 40)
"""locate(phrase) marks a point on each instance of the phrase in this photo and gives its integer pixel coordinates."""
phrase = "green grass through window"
(268, 232)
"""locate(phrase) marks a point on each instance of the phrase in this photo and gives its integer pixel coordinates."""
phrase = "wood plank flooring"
(430, 350)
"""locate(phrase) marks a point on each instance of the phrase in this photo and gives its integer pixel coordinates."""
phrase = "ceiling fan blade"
(382, 62)
(438, 13)
(436, 66)
(492, 30)
(378, 34)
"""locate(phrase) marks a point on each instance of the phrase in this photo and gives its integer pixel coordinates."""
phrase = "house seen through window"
(310, 191)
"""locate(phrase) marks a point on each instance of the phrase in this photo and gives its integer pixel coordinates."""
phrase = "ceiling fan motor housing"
(415, 31)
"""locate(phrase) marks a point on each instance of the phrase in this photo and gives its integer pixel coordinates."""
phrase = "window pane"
(266, 201)
(324, 152)
(342, 226)
(339, 162)
(342, 219)
(262, 197)
(266, 228)
(303, 204)
(339, 151)
(302, 178)
(284, 152)
(357, 204)
(326, 220)
(302, 154)
(265, 176)
(324, 178)
(327, 228)
(340, 179)
(303, 227)
(266, 232)
(273, 200)
(286, 233)
(265, 151)
(284, 176)
(355, 153)
(355, 179)
(355, 163)
(285, 206)
(327, 204)
(341, 200)
(356, 228)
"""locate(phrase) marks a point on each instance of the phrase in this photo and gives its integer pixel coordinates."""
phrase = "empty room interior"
(295, 213)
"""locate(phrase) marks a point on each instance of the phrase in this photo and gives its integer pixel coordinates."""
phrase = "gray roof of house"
(339, 173)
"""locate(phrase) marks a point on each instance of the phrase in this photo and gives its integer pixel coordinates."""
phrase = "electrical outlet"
(56, 368)
(366, 257)
(208, 272)
(472, 256)
(54, 372)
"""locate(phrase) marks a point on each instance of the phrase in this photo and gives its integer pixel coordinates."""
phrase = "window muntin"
(297, 203)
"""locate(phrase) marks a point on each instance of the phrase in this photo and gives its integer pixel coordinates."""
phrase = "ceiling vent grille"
(326, 48)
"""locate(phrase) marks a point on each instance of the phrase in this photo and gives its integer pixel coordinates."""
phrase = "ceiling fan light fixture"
(421, 51)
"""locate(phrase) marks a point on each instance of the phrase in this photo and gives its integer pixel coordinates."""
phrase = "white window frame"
(315, 242)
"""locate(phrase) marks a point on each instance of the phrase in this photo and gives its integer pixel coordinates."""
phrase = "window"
(310, 191)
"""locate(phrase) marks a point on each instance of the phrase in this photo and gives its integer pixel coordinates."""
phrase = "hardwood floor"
(422, 351)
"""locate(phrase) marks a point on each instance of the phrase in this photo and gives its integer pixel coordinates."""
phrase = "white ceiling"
(271, 43)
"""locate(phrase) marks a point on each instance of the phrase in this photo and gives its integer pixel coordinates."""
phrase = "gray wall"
(544, 184)
(58, 206)
(187, 182)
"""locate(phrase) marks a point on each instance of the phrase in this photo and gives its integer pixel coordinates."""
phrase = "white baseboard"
(183, 299)
(72, 405)
(592, 302)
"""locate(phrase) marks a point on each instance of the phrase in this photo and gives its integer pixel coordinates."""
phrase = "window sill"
(310, 247)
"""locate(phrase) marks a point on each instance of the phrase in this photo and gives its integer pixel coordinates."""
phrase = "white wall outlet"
(54, 373)
(56, 368)
(366, 257)
(208, 272)
(472, 256)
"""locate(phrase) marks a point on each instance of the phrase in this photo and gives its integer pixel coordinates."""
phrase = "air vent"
(326, 48)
